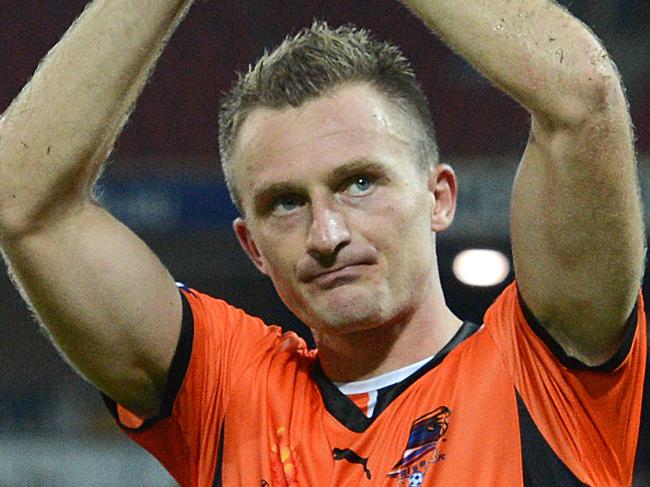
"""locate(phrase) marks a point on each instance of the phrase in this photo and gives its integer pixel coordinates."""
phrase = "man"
(329, 153)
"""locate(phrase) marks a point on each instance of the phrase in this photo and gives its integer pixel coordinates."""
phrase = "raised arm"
(577, 232)
(108, 303)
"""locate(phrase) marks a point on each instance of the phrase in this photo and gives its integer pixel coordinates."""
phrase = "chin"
(343, 323)
(344, 311)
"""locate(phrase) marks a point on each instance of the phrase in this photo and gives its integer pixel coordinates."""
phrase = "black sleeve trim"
(217, 481)
(642, 462)
(177, 371)
(573, 363)
(541, 465)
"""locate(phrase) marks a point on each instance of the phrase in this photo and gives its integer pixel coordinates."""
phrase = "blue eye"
(286, 204)
(360, 185)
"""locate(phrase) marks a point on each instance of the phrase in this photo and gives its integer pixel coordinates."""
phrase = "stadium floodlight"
(481, 267)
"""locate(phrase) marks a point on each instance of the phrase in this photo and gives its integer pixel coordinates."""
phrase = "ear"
(444, 191)
(248, 244)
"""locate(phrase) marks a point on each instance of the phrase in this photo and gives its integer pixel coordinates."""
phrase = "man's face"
(337, 211)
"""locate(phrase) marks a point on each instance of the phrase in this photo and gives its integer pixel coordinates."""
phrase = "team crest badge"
(421, 449)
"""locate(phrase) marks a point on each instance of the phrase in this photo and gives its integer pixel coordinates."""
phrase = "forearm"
(534, 50)
(577, 233)
(60, 129)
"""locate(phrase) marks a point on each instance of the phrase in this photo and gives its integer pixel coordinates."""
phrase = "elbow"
(22, 219)
(602, 93)
(14, 222)
(591, 92)
(19, 219)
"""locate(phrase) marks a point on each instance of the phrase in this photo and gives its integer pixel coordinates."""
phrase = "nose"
(328, 232)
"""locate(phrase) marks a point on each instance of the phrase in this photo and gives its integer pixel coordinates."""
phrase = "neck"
(368, 353)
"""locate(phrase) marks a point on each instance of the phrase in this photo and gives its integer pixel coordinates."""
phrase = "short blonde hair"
(313, 62)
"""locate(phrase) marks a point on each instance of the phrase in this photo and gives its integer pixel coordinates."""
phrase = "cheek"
(406, 216)
(280, 253)
(405, 233)
(278, 258)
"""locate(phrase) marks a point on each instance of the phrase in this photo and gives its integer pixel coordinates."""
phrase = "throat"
(373, 352)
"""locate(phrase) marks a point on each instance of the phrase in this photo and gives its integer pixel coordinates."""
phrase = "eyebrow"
(354, 168)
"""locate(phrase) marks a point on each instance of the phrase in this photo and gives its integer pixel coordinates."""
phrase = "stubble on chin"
(354, 312)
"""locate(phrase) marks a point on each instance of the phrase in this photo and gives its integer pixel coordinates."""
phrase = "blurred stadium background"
(164, 181)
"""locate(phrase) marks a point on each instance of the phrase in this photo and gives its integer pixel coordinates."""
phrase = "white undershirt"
(372, 385)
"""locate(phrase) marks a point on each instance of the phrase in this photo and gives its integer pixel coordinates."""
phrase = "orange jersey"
(500, 405)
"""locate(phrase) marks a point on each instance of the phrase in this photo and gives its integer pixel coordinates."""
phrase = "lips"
(345, 266)
(346, 273)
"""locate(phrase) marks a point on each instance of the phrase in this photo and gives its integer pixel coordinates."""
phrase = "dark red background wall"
(177, 113)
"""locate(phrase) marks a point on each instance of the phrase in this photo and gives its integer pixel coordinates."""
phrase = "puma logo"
(352, 457)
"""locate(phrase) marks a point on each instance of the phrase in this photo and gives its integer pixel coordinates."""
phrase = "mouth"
(348, 266)
(338, 276)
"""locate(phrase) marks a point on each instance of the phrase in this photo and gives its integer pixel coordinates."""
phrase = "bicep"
(577, 233)
(108, 303)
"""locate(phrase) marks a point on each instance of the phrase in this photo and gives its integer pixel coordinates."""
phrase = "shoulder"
(218, 323)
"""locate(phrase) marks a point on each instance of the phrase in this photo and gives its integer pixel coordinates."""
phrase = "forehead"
(353, 122)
